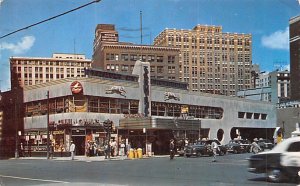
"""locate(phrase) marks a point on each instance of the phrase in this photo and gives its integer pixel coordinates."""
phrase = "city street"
(230, 169)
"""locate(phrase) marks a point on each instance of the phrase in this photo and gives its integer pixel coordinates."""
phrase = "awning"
(159, 123)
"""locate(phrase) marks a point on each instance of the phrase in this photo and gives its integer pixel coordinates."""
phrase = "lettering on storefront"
(134, 115)
(74, 122)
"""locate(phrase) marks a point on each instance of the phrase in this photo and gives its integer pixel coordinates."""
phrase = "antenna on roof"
(141, 25)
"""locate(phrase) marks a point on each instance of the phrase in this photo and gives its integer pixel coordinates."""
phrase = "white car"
(283, 161)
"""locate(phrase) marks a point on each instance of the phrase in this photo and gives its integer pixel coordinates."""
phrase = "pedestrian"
(107, 150)
(172, 149)
(113, 146)
(122, 148)
(87, 149)
(214, 147)
(51, 150)
(72, 150)
(255, 148)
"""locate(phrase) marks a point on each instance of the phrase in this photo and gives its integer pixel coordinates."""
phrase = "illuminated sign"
(76, 87)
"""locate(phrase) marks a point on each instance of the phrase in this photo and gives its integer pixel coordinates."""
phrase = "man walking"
(214, 147)
(72, 150)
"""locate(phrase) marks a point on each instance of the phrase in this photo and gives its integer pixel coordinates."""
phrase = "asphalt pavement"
(229, 170)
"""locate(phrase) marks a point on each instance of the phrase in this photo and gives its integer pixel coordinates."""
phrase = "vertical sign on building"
(146, 90)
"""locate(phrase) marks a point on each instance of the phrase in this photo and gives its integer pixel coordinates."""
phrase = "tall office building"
(112, 55)
(210, 60)
(295, 57)
(34, 70)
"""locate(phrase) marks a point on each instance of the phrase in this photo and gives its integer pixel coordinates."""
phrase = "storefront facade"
(141, 109)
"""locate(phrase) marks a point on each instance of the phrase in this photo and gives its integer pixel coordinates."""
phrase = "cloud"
(21, 47)
(277, 40)
(286, 67)
(1, 1)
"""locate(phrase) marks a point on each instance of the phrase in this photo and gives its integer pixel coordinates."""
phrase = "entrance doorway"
(79, 142)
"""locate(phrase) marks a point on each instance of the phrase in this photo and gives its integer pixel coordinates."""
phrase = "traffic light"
(107, 124)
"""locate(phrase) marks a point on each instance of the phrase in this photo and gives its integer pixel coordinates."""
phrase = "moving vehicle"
(283, 161)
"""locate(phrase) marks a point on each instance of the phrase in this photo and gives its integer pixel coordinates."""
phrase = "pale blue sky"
(266, 20)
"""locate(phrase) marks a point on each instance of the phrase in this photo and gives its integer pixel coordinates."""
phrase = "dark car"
(238, 146)
(283, 161)
(222, 150)
(265, 144)
(197, 150)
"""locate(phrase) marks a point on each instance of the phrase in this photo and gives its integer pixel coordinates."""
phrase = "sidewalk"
(90, 159)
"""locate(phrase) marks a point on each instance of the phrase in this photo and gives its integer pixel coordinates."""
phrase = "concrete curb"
(89, 159)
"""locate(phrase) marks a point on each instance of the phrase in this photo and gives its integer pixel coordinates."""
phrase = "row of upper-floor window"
(134, 57)
(51, 76)
(210, 47)
(83, 103)
(48, 69)
(251, 115)
(51, 63)
(209, 40)
(129, 68)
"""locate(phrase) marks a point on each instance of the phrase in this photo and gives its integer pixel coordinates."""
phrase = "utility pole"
(16, 122)
(48, 136)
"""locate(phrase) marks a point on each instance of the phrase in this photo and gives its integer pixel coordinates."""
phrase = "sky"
(266, 20)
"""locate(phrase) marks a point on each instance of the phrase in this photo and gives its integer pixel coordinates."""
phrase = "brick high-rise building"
(112, 55)
(210, 60)
(295, 57)
(34, 70)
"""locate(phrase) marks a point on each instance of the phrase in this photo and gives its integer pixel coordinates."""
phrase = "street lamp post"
(16, 123)
(48, 136)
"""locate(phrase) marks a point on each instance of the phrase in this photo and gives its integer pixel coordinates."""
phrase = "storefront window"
(114, 106)
(104, 105)
(93, 104)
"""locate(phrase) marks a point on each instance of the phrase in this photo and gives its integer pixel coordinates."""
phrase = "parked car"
(238, 146)
(265, 144)
(197, 150)
(283, 161)
(222, 150)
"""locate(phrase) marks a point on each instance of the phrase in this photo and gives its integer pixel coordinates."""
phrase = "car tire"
(187, 156)
(199, 154)
(274, 175)
(221, 153)
(235, 151)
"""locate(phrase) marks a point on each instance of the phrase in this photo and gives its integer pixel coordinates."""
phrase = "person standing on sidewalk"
(214, 147)
(72, 150)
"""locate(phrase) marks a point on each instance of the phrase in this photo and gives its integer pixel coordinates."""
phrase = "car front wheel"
(274, 175)
(199, 154)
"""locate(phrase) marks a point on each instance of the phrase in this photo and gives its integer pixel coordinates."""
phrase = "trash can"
(139, 153)
(131, 154)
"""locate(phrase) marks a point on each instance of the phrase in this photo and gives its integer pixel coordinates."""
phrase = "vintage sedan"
(265, 144)
(238, 146)
(222, 150)
(197, 150)
(283, 161)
